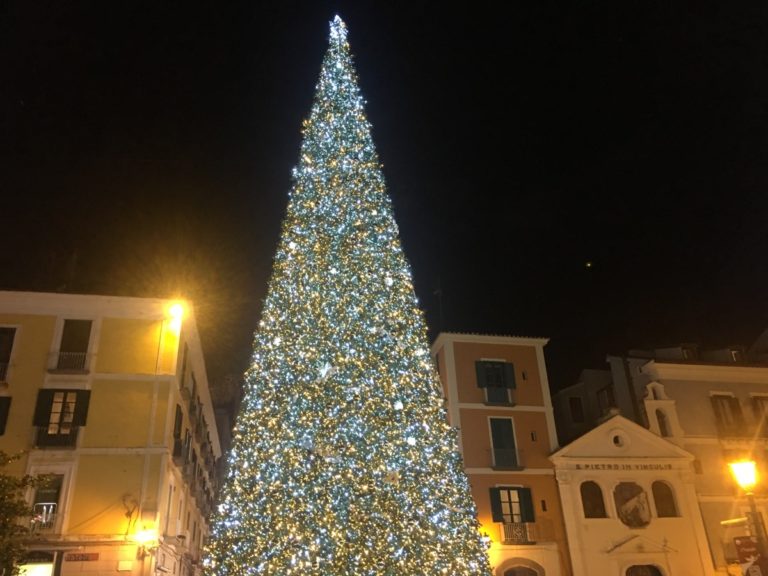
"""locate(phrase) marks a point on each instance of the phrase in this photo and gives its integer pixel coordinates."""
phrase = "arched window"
(663, 423)
(664, 499)
(643, 570)
(592, 500)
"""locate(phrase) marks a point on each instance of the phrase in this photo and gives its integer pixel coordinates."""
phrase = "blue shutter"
(43, 408)
(480, 372)
(496, 513)
(526, 505)
(81, 407)
(509, 375)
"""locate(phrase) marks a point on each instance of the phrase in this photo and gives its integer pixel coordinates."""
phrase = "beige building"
(712, 404)
(630, 504)
(108, 396)
(498, 398)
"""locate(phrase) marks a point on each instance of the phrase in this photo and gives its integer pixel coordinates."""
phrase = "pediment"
(636, 544)
(621, 438)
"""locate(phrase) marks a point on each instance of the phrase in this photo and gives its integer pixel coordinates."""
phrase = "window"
(664, 499)
(577, 409)
(177, 445)
(514, 508)
(605, 399)
(592, 500)
(661, 418)
(728, 417)
(46, 503)
(59, 414)
(632, 504)
(74, 345)
(498, 380)
(760, 411)
(5, 406)
(6, 345)
(511, 504)
(503, 443)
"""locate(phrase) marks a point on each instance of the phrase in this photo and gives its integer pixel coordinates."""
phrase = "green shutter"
(526, 505)
(81, 407)
(5, 406)
(496, 513)
(43, 407)
(509, 375)
(480, 372)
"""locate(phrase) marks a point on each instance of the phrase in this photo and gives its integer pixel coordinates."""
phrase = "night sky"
(593, 172)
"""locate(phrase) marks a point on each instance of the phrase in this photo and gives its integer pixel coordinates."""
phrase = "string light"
(343, 461)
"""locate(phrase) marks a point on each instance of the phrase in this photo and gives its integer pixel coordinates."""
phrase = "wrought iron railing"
(506, 458)
(43, 516)
(44, 439)
(74, 361)
(520, 533)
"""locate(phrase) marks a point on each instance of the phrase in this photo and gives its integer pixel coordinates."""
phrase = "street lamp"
(745, 474)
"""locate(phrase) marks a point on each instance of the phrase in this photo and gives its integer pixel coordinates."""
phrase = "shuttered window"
(728, 416)
(511, 505)
(59, 414)
(498, 380)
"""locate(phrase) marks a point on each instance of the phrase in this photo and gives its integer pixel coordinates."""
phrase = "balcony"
(519, 533)
(45, 440)
(506, 459)
(43, 517)
(70, 363)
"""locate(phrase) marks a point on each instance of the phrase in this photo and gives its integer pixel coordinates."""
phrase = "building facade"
(630, 504)
(497, 396)
(713, 405)
(107, 398)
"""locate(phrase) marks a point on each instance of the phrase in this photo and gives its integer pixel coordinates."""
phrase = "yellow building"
(109, 396)
(498, 398)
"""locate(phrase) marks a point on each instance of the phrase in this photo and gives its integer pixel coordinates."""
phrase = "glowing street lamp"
(745, 474)
(176, 312)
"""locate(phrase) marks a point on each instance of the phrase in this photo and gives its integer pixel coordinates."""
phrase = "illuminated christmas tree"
(343, 462)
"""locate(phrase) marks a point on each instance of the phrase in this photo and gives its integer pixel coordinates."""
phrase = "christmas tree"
(343, 461)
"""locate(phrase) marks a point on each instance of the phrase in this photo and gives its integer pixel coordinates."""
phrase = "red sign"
(81, 557)
(746, 548)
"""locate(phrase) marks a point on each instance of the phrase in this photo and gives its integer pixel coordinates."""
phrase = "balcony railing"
(506, 458)
(520, 533)
(43, 517)
(43, 439)
(70, 362)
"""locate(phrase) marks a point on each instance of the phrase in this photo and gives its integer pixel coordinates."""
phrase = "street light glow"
(745, 474)
(176, 312)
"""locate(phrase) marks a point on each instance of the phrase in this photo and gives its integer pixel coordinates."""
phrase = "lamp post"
(745, 474)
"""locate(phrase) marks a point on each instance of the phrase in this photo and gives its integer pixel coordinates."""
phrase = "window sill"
(68, 371)
(503, 404)
(509, 468)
